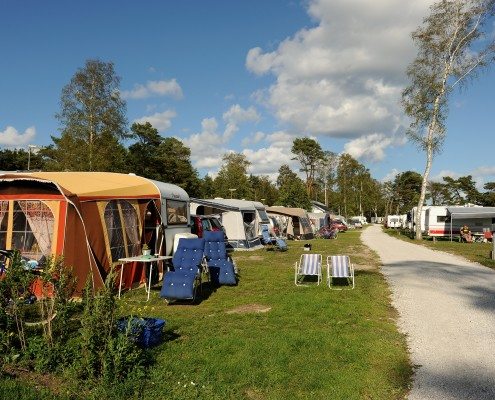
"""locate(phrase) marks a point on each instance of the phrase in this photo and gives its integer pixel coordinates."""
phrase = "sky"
(245, 76)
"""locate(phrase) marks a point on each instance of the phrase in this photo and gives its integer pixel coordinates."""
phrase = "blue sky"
(247, 76)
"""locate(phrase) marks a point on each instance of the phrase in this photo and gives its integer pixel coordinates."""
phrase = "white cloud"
(161, 120)
(344, 76)
(253, 139)
(11, 137)
(391, 175)
(372, 147)
(154, 89)
(237, 115)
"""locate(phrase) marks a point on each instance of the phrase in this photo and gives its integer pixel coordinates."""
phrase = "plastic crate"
(145, 332)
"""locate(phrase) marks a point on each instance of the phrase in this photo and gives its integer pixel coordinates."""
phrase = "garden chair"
(309, 265)
(221, 267)
(339, 267)
(272, 241)
(188, 267)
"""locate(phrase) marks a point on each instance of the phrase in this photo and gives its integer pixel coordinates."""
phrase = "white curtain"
(41, 221)
(131, 227)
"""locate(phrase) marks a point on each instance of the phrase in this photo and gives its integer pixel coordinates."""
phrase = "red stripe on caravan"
(31, 197)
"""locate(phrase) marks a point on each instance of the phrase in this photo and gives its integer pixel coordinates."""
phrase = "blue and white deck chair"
(222, 268)
(339, 267)
(308, 265)
(272, 241)
(187, 262)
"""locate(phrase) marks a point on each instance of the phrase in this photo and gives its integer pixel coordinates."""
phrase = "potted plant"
(146, 250)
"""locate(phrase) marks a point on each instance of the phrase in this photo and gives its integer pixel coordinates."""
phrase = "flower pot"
(147, 253)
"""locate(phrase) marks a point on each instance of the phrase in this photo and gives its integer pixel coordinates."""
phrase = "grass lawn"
(303, 342)
(269, 339)
(477, 252)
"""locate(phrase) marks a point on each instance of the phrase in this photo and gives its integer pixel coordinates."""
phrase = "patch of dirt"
(254, 394)
(361, 267)
(47, 381)
(249, 308)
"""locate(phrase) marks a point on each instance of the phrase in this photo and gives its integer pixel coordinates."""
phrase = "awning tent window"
(122, 224)
(4, 209)
(32, 228)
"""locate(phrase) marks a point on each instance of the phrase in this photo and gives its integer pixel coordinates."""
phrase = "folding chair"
(339, 267)
(182, 282)
(308, 265)
(272, 241)
(221, 266)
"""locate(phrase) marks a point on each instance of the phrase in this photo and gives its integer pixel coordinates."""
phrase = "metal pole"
(29, 157)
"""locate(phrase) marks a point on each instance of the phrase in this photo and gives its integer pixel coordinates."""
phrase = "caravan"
(447, 220)
(92, 219)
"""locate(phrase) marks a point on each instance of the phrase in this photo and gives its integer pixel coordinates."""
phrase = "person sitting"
(466, 234)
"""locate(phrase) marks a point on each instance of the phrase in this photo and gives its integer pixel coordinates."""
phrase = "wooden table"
(142, 259)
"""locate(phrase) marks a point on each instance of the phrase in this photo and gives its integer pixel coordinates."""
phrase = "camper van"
(396, 221)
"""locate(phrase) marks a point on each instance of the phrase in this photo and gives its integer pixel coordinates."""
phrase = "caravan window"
(176, 212)
(442, 218)
(263, 215)
(122, 225)
(32, 229)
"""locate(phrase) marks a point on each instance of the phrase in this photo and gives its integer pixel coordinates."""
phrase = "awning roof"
(471, 212)
(290, 211)
(93, 185)
(226, 204)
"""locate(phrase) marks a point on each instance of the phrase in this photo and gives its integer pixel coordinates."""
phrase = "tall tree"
(19, 159)
(407, 186)
(232, 179)
(163, 159)
(452, 46)
(291, 189)
(263, 189)
(309, 153)
(93, 122)
(325, 176)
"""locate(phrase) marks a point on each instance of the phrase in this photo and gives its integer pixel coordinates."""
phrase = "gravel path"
(447, 309)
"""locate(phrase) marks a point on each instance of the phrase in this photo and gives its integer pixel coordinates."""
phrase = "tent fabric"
(94, 185)
(471, 212)
(289, 211)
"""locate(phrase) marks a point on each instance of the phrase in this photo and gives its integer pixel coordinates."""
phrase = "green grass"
(477, 252)
(313, 342)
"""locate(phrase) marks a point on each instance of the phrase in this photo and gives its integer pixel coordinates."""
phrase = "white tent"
(240, 218)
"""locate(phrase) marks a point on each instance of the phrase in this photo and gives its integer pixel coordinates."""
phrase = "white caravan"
(447, 221)
(396, 221)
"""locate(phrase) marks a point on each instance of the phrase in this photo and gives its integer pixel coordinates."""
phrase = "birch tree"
(453, 45)
(93, 121)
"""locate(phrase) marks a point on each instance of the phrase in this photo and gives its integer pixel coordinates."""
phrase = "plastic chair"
(221, 267)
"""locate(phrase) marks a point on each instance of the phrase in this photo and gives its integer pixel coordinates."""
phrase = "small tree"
(451, 47)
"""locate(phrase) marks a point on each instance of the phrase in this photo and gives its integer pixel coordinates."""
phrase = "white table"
(142, 259)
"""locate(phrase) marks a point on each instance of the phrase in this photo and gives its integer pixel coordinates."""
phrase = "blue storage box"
(145, 332)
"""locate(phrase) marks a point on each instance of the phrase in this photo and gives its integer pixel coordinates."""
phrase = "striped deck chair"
(339, 267)
(308, 265)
